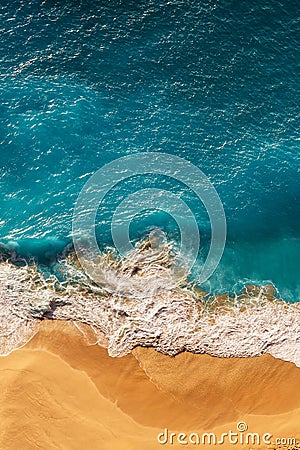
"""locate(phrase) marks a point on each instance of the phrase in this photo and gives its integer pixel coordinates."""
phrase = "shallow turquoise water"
(85, 82)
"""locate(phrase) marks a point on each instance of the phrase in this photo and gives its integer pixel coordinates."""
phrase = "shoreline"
(149, 307)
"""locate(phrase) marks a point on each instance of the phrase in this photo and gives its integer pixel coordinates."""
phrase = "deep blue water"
(217, 83)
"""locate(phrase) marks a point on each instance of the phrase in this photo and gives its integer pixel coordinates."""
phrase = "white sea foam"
(145, 299)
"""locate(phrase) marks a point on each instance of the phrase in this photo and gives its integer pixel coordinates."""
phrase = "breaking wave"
(146, 299)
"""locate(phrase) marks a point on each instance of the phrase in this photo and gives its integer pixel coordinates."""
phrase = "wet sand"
(57, 392)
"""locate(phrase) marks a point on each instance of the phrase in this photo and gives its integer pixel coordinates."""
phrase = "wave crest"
(145, 299)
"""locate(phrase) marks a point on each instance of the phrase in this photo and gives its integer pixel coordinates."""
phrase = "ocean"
(213, 82)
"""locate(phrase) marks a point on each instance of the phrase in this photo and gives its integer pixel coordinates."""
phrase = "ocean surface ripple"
(216, 83)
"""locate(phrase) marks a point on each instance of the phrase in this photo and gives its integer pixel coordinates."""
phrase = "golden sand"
(59, 393)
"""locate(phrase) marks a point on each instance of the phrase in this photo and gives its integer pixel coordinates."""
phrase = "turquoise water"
(217, 83)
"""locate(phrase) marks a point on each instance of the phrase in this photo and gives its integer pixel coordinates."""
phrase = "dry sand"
(59, 393)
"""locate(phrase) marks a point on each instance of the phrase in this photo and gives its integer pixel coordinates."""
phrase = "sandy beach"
(58, 392)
